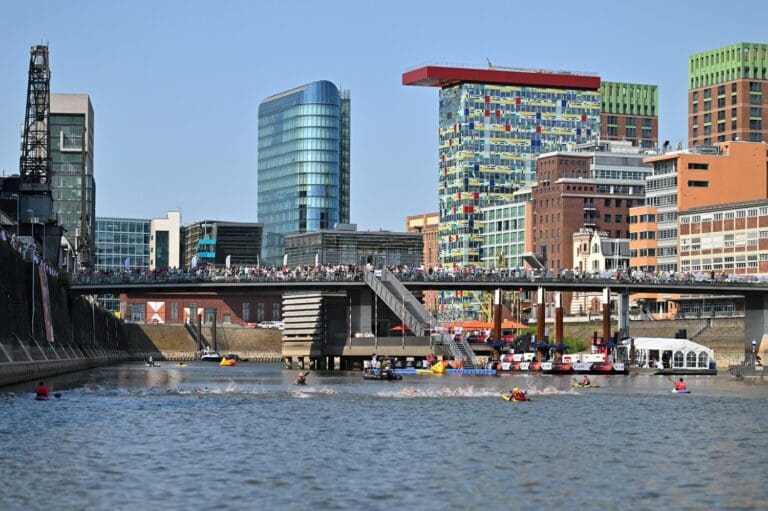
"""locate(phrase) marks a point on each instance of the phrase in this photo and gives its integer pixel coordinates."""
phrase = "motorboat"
(374, 373)
(209, 355)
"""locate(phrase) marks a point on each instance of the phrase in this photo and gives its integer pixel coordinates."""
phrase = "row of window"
(727, 215)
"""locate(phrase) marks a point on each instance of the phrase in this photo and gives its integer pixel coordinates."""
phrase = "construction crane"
(35, 165)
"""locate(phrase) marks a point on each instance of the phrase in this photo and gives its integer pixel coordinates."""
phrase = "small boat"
(507, 397)
(151, 364)
(680, 391)
(209, 355)
(378, 375)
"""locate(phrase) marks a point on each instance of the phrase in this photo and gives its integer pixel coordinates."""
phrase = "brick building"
(728, 94)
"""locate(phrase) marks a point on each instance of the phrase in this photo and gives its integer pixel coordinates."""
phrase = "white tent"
(684, 354)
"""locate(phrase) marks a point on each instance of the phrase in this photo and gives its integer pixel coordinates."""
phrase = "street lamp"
(34, 246)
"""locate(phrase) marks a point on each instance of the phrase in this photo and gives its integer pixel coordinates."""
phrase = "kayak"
(42, 398)
(506, 397)
(591, 385)
(675, 391)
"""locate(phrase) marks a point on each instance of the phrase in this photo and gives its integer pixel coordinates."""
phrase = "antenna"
(490, 65)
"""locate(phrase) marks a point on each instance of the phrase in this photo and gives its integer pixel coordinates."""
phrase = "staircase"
(399, 300)
(192, 329)
(460, 350)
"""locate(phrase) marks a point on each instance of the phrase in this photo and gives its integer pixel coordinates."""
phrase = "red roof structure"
(438, 76)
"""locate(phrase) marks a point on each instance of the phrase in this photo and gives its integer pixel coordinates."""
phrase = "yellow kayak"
(507, 397)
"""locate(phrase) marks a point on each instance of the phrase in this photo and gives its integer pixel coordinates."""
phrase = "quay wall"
(82, 335)
(173, 342)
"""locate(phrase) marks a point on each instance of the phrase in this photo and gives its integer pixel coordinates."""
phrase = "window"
(260, 312)
(698, 166)
(741, 213)
(174, 312)
(619, 219)
(246, 312)
(698, 184)
(607, 218)
(276, 311)
(607, 202)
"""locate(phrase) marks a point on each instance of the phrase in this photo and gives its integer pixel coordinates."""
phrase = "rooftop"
(440, 76)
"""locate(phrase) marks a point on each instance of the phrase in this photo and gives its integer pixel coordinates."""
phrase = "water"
(203, 436)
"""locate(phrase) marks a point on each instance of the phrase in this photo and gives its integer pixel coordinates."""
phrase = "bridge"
(323, 313)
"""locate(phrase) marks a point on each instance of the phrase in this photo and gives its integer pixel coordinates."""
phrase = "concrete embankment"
(172, 342)
(44, 331)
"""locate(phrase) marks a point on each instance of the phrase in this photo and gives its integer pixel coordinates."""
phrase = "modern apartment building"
(210, 242)
(303, 169)
(630, 111)
(728, 94)
(725, 173)
(494, 123)
(71, 114)
(165, 242)
(504, 231)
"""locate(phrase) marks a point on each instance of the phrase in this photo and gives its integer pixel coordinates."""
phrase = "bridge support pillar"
(755, 327)
(559, 318)
(623, 315)
(606, 315)
(287, 362)
(299, 362)
(540, 311)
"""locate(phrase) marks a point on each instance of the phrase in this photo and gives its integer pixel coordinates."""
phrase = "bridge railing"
(410, 275)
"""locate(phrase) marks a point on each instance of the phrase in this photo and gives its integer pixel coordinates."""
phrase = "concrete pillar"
(497, 298)
(287, 362)
(300, 363)
(540, 311)
(559, 318)
(362, 311)
(606, 315)
(623, 314)
(755, 326)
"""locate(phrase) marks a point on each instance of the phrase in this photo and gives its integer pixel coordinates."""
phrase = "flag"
(317, 259)
(193, 263)
(127, 263)
(227, 260)
(285, 261)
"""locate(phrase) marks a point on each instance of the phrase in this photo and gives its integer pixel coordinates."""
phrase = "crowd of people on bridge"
(406, 273)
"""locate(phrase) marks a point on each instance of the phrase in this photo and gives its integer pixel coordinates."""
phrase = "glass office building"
(121, 243)
(303, 173)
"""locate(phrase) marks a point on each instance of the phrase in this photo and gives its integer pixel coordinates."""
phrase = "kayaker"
(585, 381)
(680, 385)
(518, 395)
(41, 390)
(301, 379)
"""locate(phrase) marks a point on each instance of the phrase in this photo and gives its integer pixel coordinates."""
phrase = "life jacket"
(680, 386)
(42, 391)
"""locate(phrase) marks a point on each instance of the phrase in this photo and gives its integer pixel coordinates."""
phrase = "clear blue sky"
(176, 85)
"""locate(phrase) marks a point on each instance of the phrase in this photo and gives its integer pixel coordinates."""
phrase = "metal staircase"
(399, 300)
(460, 350)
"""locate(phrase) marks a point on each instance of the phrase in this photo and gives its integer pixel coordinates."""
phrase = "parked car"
(271, 324)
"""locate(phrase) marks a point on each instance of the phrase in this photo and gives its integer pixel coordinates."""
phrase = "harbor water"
(244, 437)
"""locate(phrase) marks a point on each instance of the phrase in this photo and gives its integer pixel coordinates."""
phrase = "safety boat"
(374, 373)
(209, 355)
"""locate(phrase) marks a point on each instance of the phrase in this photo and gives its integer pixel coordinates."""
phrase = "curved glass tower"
(303, 163)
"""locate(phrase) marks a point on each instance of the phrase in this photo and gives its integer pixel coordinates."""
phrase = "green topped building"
(630, 111)
(727, 89)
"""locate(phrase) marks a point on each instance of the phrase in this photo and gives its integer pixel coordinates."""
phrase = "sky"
(176, 85)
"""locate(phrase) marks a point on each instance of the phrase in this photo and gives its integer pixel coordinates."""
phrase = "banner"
(193, 263)
(285, 262)
(227, 260)
(46, 304)
(127, 263)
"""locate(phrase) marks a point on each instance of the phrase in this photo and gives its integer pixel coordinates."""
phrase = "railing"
(395, 303)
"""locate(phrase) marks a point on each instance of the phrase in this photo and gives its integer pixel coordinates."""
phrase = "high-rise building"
(70, 115)
(304, 174)
(122, 243)
(494, 123)
(728, 94)
(630, 112)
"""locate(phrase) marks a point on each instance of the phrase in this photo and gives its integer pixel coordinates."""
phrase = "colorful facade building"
(630, 112)
(493, 125)
(728, 94)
